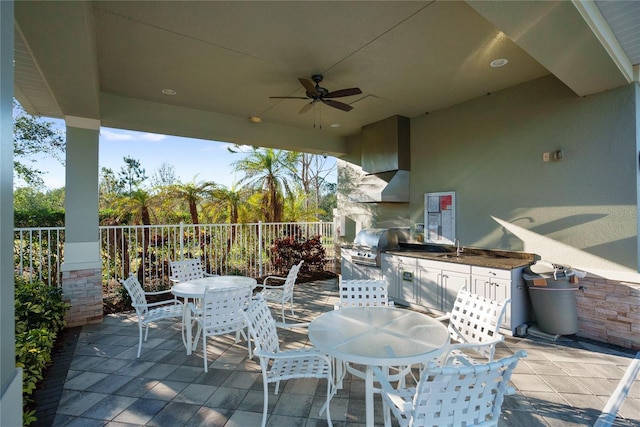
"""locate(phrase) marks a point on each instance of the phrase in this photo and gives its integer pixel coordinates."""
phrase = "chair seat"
(164, 312)
(299, 364)
(272, 295)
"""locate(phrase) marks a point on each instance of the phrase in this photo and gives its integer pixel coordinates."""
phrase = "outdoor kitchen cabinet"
(400, 274)
(353, 271)
(439, 283)
(498, 284)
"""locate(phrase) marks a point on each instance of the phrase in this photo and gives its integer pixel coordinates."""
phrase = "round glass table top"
(195, 288)
(379, 336)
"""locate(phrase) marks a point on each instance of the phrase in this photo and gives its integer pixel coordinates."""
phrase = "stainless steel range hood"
(392, 187)
(386, 161)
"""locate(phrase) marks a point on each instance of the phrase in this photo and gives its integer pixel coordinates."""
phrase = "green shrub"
(39, 312)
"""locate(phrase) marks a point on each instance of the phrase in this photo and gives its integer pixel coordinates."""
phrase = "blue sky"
(191, 158)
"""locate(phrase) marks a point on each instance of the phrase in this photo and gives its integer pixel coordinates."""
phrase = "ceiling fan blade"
(306, 83)
(344, 92)
(336, 104)
(306, 107)
(288, 97)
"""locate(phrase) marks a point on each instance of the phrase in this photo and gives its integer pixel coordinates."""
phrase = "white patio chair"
(450, 395)
(150, 312)
(280, 365)
(281, 294)
(187, 269)
(363, 293)
(474, 326)
(220, 313)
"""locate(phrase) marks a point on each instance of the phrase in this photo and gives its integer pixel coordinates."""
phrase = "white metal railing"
(243, 249)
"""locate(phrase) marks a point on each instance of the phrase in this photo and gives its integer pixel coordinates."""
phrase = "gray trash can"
(553, 297)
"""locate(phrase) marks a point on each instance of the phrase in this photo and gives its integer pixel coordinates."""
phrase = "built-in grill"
(370, 242)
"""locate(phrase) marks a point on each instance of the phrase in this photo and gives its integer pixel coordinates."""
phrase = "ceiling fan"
(317, 93)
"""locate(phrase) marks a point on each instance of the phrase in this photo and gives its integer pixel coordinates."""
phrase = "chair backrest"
(463, 395)
(186, 269)
(290, 281)
(363, 293)
(134, 288)
(222, 308)
(261, 326)
(476, 319)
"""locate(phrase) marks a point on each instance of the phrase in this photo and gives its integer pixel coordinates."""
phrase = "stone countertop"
(504, 260)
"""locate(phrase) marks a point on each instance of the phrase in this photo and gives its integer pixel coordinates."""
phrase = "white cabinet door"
(451, 283)
(494, 284)
(365, 272)
(428, 286)
(400, 273)
(390, 276)
(346, 269)
(407, 280)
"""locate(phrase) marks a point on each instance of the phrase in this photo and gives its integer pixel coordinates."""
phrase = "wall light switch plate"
(545, 156)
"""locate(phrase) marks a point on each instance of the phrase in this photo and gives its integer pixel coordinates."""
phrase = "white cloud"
(152, 137)
(110, 135)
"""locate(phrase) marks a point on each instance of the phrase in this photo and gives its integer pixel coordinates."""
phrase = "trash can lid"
(548, 270)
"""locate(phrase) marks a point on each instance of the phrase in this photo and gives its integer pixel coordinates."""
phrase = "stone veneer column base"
(609, 311)
(83, 290)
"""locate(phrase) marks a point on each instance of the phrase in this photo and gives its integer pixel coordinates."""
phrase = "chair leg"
(204, 352)
(266, 400)
(139, 338)
(328, 403)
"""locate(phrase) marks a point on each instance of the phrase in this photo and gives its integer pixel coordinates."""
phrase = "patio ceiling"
(111, 60)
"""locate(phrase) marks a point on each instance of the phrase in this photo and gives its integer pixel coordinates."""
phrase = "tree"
(35, 208)
(164, 176)
(131, 175)
(192, 193)
(33, 136)
(313, 172)
(270, 172)
(110, 188)
(230, 201)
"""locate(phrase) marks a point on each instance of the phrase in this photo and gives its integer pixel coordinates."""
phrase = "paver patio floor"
(563, 383)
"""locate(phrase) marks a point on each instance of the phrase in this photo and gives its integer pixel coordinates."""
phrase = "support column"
(10, 376)
(82, 267)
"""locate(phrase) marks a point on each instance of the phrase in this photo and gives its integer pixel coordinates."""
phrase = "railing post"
(181, 239)
(260, 248)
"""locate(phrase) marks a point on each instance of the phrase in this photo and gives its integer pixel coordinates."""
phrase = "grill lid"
(376, 239)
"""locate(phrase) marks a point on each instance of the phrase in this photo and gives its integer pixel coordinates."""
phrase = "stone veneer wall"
(609, 311)
(83, 290)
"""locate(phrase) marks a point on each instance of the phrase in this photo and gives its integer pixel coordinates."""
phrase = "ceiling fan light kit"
(318, 93)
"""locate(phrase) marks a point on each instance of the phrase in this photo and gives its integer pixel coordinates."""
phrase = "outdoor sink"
(450, 256)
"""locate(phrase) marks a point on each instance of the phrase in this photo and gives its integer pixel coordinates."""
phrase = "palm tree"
(269, 171)
(193, 193)
(230, 200)
(138, 205)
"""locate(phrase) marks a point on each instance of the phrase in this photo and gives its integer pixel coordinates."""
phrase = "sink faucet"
(459, 249)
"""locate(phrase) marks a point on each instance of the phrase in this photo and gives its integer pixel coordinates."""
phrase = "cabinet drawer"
(444, 266)
(491, 272)
(399, 259)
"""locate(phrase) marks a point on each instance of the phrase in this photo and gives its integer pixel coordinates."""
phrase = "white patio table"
(194, 290)
(378, 336)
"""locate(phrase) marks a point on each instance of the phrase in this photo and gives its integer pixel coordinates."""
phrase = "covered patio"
(568, 84)
(568, 382)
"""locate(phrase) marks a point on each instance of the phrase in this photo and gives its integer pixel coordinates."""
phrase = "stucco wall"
(580, 211)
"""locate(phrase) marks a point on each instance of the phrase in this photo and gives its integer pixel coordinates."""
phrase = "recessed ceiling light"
(497, 63)
(335, 125)
(255, 119)
(169, 92)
